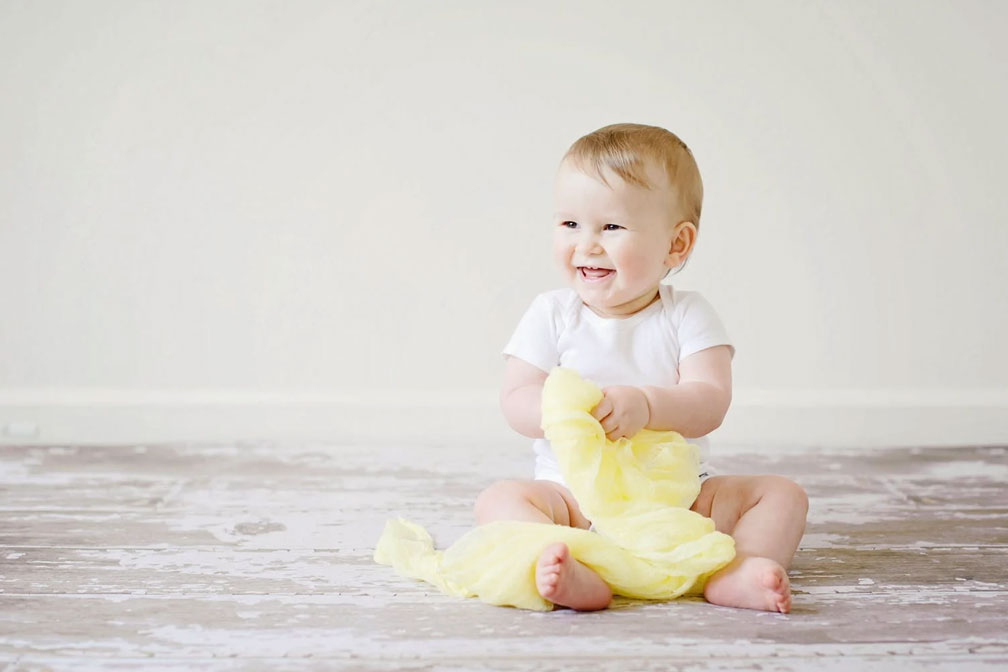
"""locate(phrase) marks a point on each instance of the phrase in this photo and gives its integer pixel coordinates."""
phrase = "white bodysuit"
(642, 349)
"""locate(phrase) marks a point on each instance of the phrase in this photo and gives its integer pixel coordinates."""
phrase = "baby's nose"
(589, 242)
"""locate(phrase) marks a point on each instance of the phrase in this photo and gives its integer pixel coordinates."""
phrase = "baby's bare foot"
(563, 580)
(751, 583)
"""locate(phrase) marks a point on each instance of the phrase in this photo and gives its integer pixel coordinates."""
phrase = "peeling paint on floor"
(258, 556)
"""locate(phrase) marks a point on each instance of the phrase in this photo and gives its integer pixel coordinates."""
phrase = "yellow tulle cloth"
(637, 492)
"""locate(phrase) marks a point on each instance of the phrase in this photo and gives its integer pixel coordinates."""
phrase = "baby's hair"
(625, 149)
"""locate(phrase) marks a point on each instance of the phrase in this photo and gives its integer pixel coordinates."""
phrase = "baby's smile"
(594, 273)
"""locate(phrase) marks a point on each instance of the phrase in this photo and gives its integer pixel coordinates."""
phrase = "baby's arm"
(521, 397)
(698, 404)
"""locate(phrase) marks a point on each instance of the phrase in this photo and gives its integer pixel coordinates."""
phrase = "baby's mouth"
(593, 274)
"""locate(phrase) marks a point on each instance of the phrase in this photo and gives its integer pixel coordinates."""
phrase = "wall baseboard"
(774, 420)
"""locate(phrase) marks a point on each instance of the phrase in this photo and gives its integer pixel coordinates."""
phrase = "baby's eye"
(611, 227)
(569, 225)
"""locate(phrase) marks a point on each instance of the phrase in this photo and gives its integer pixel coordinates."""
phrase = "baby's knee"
(788, 493)
(496, 496)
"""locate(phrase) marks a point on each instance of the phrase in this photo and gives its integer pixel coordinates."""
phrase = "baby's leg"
(533, 501)
(766, 517)
(559, 578)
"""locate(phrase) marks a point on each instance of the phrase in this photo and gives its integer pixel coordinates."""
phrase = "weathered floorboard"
(257, 556)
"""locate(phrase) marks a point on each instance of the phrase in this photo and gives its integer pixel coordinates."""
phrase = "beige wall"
(213, 214)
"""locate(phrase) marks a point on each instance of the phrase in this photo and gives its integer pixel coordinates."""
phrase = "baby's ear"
(683, 238)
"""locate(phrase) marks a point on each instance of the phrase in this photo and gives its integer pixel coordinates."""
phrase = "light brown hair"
(626, 150)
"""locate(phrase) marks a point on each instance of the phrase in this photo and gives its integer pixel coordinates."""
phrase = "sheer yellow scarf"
(637, 492)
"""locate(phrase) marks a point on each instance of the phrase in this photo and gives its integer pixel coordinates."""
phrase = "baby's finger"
(603, 409)
(608, 424)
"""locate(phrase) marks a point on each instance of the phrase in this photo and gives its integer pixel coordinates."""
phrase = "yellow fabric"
(637, 493)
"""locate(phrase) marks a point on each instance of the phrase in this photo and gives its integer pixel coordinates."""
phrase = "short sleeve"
(535, 338)
(698, 325)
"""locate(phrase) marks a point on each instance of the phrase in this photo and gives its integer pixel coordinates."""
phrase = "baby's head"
(628, 202)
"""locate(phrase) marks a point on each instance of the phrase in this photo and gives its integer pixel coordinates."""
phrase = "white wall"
(266, 219)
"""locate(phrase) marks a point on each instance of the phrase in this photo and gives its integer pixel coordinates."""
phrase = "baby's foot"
(751, 583)
(563, 580)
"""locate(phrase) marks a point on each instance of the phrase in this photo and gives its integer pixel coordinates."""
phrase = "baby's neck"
(627, 309)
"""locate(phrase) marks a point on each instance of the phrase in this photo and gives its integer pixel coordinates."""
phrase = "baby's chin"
(590, 298)
(612, 306)
(601, 308)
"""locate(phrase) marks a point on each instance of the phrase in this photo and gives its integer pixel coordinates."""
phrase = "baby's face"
(612, 243)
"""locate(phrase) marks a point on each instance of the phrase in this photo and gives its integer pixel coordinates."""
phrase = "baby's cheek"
(561, 255)
(638, 262)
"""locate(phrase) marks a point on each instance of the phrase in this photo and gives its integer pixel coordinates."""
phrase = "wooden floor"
(258, 556)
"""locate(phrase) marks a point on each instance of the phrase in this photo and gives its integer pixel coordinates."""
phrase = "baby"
(628, 202)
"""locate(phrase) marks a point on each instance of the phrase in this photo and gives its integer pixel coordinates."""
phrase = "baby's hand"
(623, 411)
